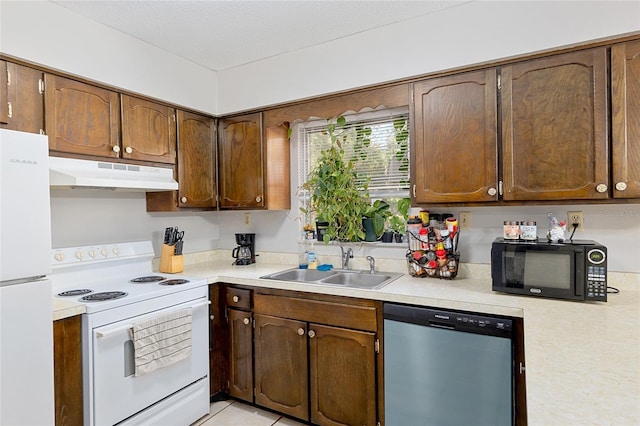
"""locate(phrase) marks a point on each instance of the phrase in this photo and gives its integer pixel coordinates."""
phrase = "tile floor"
(234, 413)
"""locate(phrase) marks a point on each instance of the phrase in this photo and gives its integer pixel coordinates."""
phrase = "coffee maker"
(245, 253)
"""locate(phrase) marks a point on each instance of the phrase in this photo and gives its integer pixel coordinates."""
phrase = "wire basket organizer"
(430, 256)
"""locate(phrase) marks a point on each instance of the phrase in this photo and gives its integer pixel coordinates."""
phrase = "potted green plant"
(397, 222)
(374, 219)
(334, 195)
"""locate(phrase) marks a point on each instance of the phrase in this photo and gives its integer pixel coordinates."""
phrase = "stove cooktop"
(122, 271)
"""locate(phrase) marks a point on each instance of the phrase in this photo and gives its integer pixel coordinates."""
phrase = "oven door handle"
(113, 331)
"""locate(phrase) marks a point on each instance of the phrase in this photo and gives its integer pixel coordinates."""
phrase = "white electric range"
(120, 290)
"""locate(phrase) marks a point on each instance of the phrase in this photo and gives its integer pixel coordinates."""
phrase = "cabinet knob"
(183, 199)
(116, 149)
(621, 186)
(300, 331)
(235, 299)
(128, 150)
(211, 317)
(601, 188)
(246, 321)
(492, 191)
(258, 199)
(312, 334)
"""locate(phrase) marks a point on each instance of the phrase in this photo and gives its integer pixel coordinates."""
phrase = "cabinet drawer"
(329, 313)
(238, 298)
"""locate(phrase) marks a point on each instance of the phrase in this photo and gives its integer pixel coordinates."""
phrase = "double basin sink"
(336, 277)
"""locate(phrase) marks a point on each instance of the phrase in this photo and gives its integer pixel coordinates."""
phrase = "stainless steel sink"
(336, 277)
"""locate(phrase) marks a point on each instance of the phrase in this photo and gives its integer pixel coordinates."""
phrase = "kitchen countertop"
(582, 359)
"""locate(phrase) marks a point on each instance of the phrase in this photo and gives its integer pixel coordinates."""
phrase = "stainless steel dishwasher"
(447, 368)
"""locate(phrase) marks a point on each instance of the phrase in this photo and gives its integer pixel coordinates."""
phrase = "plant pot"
(398, 237)
(321, 229)
(370, 233)
(387, 237)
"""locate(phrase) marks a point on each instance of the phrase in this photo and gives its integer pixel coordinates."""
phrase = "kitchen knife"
(174, 234)
(178, 250)
(167, 235)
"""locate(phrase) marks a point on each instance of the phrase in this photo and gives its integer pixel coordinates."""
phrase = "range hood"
(74, 173)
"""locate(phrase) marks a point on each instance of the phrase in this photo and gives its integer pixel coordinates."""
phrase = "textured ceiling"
(219, 35)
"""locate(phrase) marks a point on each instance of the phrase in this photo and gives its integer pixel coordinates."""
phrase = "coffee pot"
(244, 253)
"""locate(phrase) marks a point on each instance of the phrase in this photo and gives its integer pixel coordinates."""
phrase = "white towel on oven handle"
(161, 341)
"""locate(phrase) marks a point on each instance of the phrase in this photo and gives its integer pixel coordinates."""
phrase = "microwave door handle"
(579, 272)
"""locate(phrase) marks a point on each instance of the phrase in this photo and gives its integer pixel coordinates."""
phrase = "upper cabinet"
(196, 160)
(625, 126)
(148, 131)
(21, 98)
(240, 165)
(547, 118)
(454, 146)
(195, 167)
(82, 118)
(554, 127)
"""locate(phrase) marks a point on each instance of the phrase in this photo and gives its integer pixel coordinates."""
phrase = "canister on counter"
(528, 231)
(511, 230)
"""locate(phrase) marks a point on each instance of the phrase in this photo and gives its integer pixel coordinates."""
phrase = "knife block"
(170, 263)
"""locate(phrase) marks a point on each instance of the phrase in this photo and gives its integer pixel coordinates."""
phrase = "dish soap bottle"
(303, 255)
(311, 257)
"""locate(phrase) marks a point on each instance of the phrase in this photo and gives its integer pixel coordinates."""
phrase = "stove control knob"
(59, 256)
(104, 252)
(92, 253)
(79, 254)
(116, 251)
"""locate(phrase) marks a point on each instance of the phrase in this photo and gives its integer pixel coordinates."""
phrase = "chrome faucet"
(372, 264)
(346, 255)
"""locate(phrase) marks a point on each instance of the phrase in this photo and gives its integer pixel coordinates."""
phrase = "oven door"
(117, 392)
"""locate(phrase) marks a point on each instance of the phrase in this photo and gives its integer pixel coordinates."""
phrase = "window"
(377, 142)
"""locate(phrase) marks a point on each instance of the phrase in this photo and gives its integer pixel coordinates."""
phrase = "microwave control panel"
(596, 275)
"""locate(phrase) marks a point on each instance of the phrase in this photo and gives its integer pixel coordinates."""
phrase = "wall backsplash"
(82, 217)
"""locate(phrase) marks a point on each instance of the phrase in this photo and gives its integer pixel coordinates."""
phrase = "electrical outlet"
(464, 220)
(575, 217)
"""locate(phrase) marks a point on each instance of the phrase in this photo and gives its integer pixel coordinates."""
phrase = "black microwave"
(574, 270)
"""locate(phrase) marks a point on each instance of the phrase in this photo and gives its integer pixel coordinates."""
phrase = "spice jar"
(511, 230)
(529, 231)
(414, 225)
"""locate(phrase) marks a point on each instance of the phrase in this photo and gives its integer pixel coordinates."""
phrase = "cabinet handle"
(621, 186)
(246, 321)
(601, 188)
(116, 149)
(414, 191)
(183, 199)
(258, 199)
(128, 150)
(235, 299)
(301, 331)
(492, 191)
(312, 334)
(9, 110)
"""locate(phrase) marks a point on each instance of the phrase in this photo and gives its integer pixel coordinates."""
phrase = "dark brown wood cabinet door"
(148, 131)
(81, 118)
(67, 371)
(240, 354)
(554, 127)
(281, 366)
(196, 160)
(625, 102)
(4, 95)
(342, 376)
(21, 98)
(454, 146)
(25, 99)
(218, 341)
(240, 168)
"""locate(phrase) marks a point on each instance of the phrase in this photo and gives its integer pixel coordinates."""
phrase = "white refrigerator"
(26, 325)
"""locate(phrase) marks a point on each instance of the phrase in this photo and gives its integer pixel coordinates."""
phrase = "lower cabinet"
(316, 359)
(240, 354)
(67, 368)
